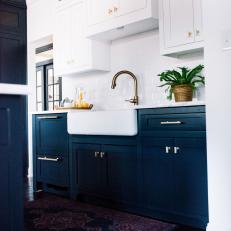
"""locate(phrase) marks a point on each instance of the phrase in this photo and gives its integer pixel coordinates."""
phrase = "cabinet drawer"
(173, 122)
(51, 134)
(53, 170)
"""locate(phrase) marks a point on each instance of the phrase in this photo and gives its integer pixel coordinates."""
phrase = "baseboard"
(213, 227)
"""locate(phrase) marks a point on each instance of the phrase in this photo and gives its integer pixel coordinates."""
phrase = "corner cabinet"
(73, 52)
(181, 31)
(119, 18)
(50, 153)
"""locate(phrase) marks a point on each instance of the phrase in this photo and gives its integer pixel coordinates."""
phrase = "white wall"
(217, 19)
(141, 55)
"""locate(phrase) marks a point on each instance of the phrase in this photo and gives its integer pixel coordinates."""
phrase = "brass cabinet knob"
(110, 11)
(190, 34)
(167, 149)
(115, 8)
(102, 154)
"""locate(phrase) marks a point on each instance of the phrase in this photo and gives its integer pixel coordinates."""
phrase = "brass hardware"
(97, 154)
(170, 122)
(102, 154)
(49, 159)
(110, 11)
(176, 150)
(190, 34)
(167, 149)
(47, 117)
(115, 9)
(135, 99)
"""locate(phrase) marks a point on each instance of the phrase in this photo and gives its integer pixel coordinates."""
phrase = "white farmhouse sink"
(118, 123)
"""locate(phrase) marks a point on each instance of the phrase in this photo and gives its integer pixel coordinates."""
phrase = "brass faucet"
(135, 99)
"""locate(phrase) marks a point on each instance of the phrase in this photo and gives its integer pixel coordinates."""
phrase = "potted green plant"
(182, 83)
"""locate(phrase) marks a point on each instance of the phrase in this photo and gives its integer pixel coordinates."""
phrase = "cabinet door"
(122, 172)
(198, 20)
(80, 50)
(99, 11)
(91, 169)
(190, 177)
(62, 41)
(12, 141)
(12, 19)
(157, 174)
(12, 59)
(129, 6)
(51, 135)
(178, 22)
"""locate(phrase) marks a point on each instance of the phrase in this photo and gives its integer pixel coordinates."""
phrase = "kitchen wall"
(217, 24)
(141, 55)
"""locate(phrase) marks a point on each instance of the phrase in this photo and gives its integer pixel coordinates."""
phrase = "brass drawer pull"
(49, 159)
(170, 122)
(48, 117)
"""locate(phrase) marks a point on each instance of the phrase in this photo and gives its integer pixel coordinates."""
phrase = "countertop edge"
(182, 104)
(14, 89)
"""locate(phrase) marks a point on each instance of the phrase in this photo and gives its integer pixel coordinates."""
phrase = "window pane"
(56, 92)
(50, 76)
(50, 93)
(39, 94)
(56, 104)
(39, 78)
(39, 107)
(50, 106)
(56, 80)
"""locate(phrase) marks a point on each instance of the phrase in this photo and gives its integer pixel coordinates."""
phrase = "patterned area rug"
(59, 214)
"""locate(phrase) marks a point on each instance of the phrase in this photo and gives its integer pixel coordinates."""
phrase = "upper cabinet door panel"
(13, 59)
(62, 40)
(80, 45)
(129, 6)
(198, 20)
(12, 20)
(178, 22)
(99, 11)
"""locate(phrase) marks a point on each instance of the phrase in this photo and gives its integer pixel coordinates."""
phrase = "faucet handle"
(134, 100)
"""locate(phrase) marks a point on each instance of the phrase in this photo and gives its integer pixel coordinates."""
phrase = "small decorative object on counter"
(183, 83)
(81, 99)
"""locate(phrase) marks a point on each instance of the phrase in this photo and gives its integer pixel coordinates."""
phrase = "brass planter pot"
(183, 93)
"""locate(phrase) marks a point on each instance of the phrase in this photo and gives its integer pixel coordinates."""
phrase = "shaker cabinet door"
(190, 177)
(157, 166)
(178, 23)
(13, 58)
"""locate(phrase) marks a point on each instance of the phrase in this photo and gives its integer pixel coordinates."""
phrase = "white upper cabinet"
(181, 28)
(73, 52)
(40, 19)
(128, 6)
(113, 19)
(198, 21)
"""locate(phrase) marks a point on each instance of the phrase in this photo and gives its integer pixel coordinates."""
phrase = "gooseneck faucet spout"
(135, 99)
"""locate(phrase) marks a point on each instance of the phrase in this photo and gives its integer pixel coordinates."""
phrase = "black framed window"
(48, 87)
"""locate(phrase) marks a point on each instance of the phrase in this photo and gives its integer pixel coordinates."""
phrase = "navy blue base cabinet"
(105, 167)
(160, 173)
(51, 161)
(12, 150)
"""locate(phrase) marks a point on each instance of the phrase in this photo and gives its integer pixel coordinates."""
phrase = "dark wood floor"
(30, 196)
